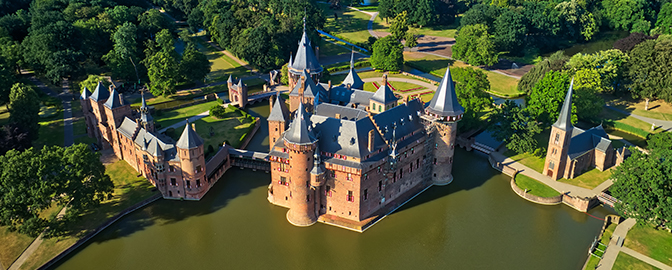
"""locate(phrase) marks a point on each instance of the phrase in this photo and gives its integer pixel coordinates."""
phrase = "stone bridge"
(260, 96)
(250, 159)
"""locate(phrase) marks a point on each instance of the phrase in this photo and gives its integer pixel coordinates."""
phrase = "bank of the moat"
(475, 222)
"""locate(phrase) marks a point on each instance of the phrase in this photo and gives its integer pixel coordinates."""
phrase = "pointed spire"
(317, 162)
(189, 138)
(100, 93)
(240, 83)
(114, 101)
(279, 112)
(444, 102)
(230, 80)
(291, 59)
(144, 103)
(565, 120)
(353, 78)
(298, 132)
(352, 59)
(384, 94)
(154, 148)
(85, 93)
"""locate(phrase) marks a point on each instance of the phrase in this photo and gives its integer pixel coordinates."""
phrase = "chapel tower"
(443, 112)
(558, 143)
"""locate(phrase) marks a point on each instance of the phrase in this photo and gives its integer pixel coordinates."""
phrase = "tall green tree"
(162, 66)
(6, 80)
(515, 126)
(643, 185)
(194, 65)
(24, 109)
(510, 31)
(388, 54)
(608, 67)
(659, 141)
(386, 9)
(475, 45)
(471, 87)
(555, 62)
(124, 58)
(623, 14)
(411, 40)
(424, 13)
(547, 96)
(399, 26)
(649, 70)
(481, 14)
(664, 22)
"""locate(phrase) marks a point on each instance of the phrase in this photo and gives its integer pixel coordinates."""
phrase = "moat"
(476, 222)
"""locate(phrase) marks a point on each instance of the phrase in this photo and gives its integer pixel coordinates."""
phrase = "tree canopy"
(649, 69)
(475, 46)
(24, 109)
(388, 54)
(471, 86)
(555, 62)
(515, 126)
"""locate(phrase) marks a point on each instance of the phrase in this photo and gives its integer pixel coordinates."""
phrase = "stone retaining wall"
(506, 169)
(579, 203)
(533, 198)
(249, 136)
(97, 230)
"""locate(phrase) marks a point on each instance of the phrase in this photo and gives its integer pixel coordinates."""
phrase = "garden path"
(665, 125)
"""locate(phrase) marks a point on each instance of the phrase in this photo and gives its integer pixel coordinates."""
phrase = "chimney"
(303, 86)
(337, 116)
(329, 85)
(317, 53)
(371, 140)
(121, 99)
(384, 79)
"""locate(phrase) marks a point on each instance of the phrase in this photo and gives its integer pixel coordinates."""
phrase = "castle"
(178, 171)
(347, 157)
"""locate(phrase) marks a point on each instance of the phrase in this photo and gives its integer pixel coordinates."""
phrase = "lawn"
(328, 48)
(606, 237)
(397, 85)
(658, 109)
(500, 85)
(129, 190)
(627, 262)
(13, 244)
(654, 243)
(626, 119)
(222, 65)
(168, 118)
(448, 31)
(589, 179)
(535, 187)
(230, 128)
(351, 24)
(51, 131)
(528, 159)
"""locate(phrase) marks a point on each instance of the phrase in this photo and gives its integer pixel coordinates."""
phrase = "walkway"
(558, 186)
(31, 249)
(66, 98)
(665, 125)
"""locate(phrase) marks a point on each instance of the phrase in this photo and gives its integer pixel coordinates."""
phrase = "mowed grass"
(535, 187)
(528, 159)
(658, 109)
(168, 118)
(230, 128)
(448, 31)
(627, 262)
(129, 189)
(589, 179)
(397, 85)
(52, 131)
(627, 119)
(328, 48)
(351, 24)
(500, 85)
(656, 244)
(606, 237)
(13, 244)
(221, 65)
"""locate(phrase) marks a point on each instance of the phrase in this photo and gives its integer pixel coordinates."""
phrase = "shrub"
(218, 112)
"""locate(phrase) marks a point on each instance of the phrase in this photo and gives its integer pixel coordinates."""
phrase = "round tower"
(301, 144)
(192, 162)
(444, 111)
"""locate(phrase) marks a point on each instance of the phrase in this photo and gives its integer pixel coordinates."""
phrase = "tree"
(387, 54)
(53, 49)
(399, 26)
(424, 13)
(92, 81)
(6, 80)
(194, 65)
(664, 22)
(623, 14)
(411, 40)
(515, 126)
(386, 9)
(543, 25)
(555, 62)
(481, 14)
(471, 87)
(13, 137)
(162, 66)
(608, 67)
(661, 141)
(577, 22)
(547, 96)
(649, 70)
(24, 109)
(628, 43)
(475, 45)
(642, 185)
(32, 180)
(510, 30)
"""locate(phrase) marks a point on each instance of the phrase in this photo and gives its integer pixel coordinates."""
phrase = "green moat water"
(476, 222)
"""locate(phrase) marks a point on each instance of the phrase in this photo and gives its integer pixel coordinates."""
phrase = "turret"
(301, 144)
(383, 100)
(305, 91)
(277, 120)
(146, 119)
(192, 161)
(305, 59)
(444, 111)
(558, 144)
(88, 112)
(353, 79)
(317, 173)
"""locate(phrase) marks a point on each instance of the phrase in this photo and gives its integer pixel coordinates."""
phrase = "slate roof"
(128, 128)
(189, 139)
(146, 140)
(144, 103)
(311, 89)
(343, 95)
(565, 119)
(444, 102)
(346, 113)
(384, 95)
(585, 141)
(298, 132)
(100, 93)
(305, 57)
(318, 167)
(85, 93)
(406, 118)
(114, 101)
(353, 79)
(279, 112)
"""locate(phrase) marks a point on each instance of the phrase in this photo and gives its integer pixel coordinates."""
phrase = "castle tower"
(192, 161)
(353, 79)
(88, 112)
(306, 91)
(237, 93)
(146, 119)
(444, 111)
(301, 145)
(317, 173)
(558, 143)
(383, 100)
(277, 120)
(305, 59)
(96, 101)
(115, 110)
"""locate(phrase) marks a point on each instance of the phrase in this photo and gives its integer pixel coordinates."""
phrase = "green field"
(606, 237)
(656, 244)
(351, 24)
(448, 31)
(168, 118)
(528, 159)
(589, 179)
(535, 187)
(627, 262)
(397, 85)
(230, 128)
(222, 65)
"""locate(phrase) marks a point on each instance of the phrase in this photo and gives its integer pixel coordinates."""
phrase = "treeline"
(514, 27)
(422, 12)
(264, 33)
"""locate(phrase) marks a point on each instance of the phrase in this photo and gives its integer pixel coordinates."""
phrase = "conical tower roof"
(189, 138)
(384, 94)
(144, 103)
(444, 102)
(318, 167)
(85, 93)
(353, 79)
(565, 120)
(305, 58)
(298, 132)
(114, 101)
(311, 90)
(230, 79)
(279, 112)
(154, 148)
(100, 93)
